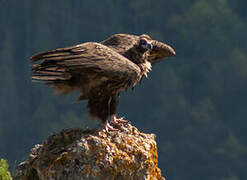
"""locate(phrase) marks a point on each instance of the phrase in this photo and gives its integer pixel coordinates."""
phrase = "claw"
(121, 120)
(117, 121)
(108, 127)
(114, 121)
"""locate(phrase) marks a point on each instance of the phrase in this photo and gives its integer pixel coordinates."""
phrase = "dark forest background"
(195, 102)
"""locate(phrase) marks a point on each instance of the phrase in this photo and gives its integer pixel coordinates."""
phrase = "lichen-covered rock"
(74, 154)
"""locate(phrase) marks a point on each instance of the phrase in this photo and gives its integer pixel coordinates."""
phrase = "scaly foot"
(117, 121)
(108, 127)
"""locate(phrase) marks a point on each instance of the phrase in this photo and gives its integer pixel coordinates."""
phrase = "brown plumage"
(99, 70)
(121, 43)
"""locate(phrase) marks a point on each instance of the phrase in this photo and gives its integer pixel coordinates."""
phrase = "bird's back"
(86, 65)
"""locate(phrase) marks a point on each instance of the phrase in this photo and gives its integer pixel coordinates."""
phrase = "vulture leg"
(112, 103)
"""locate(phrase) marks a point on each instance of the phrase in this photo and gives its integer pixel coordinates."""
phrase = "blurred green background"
(195, 102)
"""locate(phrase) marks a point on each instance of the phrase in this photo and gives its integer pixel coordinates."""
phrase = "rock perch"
(76, 154)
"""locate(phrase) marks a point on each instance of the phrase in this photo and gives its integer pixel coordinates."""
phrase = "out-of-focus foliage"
(195, 103)
(4, 172)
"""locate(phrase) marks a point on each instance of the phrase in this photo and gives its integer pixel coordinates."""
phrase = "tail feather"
(58, 79)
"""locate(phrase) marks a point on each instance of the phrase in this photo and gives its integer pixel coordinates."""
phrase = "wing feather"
(90, 57)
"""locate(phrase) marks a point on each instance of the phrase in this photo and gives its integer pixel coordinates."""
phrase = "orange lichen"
(99, 155)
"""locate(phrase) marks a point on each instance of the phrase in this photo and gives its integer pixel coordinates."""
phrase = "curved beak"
(159, 51)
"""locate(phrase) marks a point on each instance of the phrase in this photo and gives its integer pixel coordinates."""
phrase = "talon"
(108, 127)
(117, 121)
(122, 120)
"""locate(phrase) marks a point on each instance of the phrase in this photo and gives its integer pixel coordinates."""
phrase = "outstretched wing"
(88, 64)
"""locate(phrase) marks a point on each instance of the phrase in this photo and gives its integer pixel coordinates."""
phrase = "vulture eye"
(143, 42)
(145, 45)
